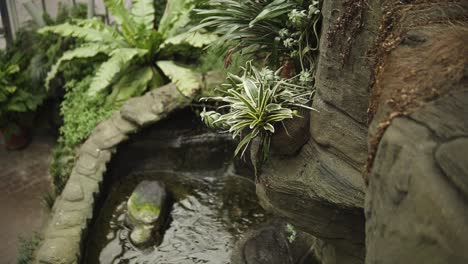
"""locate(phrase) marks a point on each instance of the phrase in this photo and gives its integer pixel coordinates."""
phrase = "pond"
(208, 216)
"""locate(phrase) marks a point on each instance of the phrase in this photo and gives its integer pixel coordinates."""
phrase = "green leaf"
(175, 17)
(274, 9)
(84, 32)
(244, 144)
(187, 81)
(143, 13)
(119, 60)
(250, 89)
(11, 69)
(133, 83)
(124, 19)
(86, 51)
(272, 107)
(194, 39)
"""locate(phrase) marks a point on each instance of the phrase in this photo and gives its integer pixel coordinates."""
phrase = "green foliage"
(123, 59)
(255, 102)
(280, 29)
(26, 248)
(23, 68)
(80, 114)
(16, 95)
(132, 44)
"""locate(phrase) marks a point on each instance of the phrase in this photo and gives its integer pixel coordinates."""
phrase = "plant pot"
(14, 140)
(290, 137)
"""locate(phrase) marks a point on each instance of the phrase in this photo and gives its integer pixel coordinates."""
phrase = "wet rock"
(147, 211)
(273, 243)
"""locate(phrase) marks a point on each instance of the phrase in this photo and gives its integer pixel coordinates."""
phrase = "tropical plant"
(254, 103)
(16, 95)
(281, 29)
(136, 53)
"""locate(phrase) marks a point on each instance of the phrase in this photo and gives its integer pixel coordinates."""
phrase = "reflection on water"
(209, 215)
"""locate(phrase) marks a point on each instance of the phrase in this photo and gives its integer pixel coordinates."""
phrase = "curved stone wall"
(73, 210)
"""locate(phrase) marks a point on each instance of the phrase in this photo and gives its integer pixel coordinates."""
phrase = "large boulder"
(147, 210)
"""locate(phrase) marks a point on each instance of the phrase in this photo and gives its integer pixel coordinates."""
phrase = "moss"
(141, 210)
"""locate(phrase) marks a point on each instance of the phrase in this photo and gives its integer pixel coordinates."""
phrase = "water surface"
(208, 216)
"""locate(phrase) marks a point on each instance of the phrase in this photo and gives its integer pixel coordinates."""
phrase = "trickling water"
(208, 216)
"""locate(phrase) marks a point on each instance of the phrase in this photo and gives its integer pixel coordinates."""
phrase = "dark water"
(208, 216)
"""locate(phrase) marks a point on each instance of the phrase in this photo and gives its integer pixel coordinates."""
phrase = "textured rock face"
(416, 202)
(416, 206)
(321, 190)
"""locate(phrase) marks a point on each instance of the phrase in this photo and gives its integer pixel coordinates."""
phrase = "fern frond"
(143, 13)
(194, 39)
(133, 83)
(119, 60)
(97, 24)
(85, 51)
(124, 19)
(82, 32)
(186, 80)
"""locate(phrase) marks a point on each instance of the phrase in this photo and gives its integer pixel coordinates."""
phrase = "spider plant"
(254, 103)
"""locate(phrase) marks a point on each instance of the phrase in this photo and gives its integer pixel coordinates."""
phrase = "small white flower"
(305, 77)
(297, 17)
(283, 33)
(288, 43)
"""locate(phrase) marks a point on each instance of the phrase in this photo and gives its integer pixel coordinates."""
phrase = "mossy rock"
(146, 203)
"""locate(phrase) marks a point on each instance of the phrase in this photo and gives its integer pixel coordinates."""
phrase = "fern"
(84, 32)
(119, 60)
(85, 51)
(143, 13)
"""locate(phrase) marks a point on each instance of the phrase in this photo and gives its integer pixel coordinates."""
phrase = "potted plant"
(255, 106)
(16, 98)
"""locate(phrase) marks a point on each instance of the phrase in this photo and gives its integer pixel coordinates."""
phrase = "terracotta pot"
(16, 141)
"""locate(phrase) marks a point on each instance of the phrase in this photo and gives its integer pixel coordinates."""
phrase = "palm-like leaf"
(253, 22)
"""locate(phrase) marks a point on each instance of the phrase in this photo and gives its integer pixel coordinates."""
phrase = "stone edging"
(73, 210)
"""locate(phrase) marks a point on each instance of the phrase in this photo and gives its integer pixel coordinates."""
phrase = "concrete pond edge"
(65, 233)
